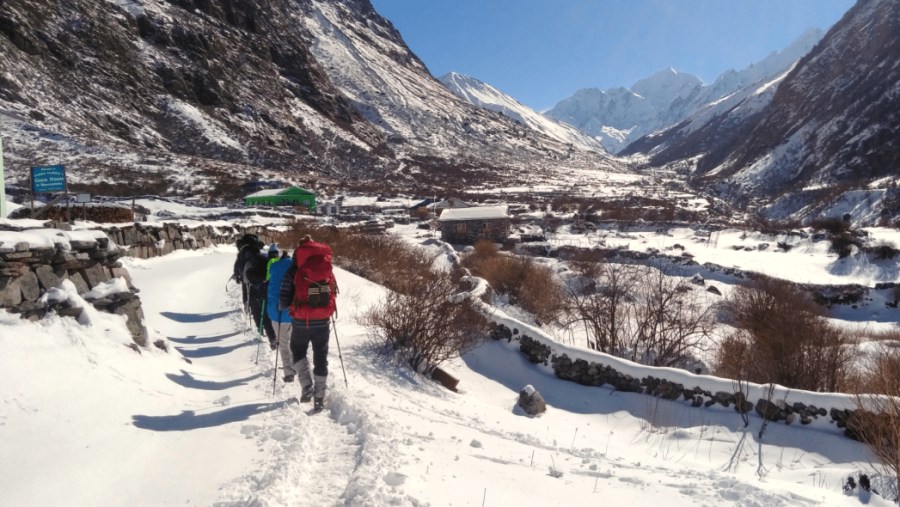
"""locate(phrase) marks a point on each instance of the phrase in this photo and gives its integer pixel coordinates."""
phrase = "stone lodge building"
(468, 225)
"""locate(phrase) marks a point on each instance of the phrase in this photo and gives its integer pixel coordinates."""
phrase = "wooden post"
(446, 379)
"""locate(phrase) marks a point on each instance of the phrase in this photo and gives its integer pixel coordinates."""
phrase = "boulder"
(531, 401)
(768, 410)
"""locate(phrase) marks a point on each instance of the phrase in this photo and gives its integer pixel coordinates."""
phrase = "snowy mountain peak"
(667, 86)
(668, 97)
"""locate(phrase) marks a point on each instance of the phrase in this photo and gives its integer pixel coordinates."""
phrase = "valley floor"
(89, 421)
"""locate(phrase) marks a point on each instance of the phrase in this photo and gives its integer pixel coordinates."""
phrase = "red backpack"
(315, 287)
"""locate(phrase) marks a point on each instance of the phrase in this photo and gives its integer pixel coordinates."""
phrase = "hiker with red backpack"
(308, 290)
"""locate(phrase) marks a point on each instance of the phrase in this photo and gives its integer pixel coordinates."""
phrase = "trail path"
(292, 458)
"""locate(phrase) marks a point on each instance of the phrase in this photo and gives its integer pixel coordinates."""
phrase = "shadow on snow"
(213, 351)
(188, 380)
(496, 361)
(190, 420)
(188, 318)
(200, 340)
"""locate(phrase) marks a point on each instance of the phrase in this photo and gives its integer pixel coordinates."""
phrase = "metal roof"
(475, 213)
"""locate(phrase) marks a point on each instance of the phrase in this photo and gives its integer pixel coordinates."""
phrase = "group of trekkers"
(292, 299)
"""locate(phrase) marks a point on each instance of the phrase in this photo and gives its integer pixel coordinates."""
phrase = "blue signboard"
(47, 179)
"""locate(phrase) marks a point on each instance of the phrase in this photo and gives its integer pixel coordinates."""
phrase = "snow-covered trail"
(86, 420)
(291, 458)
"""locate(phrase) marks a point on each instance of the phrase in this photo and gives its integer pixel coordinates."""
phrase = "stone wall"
(494, 229)
(590, 373)
(37, 260)
(28, 270)
(145, 241)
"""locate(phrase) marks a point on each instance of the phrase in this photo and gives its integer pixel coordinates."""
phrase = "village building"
(449, 203)
(432, 207)
(422, 209)
(468, 225)
(290, 196)
(328, 208)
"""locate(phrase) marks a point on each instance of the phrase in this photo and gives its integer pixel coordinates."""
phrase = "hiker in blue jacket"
(281, 320)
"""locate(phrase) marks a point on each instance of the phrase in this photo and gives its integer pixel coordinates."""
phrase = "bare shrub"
(642, 315)
(386, 260)
(884, 250)
(839, 234)
(782, 337)
(842, 244)
(831, 225)
(598, 300)
(671, 321)
(526, 283)
(417, 323)
(876, 421)
(423, 327)
(769, 226)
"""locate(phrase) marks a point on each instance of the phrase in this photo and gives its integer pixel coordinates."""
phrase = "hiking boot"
(319, 404)
(288, 379)
(273, 345)
(306, 395)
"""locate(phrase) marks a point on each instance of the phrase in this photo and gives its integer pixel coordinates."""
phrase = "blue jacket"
(276, 275)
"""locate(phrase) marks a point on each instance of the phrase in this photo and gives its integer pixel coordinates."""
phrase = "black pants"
(304, 332)
(256, 297)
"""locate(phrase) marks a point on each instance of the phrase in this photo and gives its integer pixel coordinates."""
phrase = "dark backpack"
(249, 240)
(255, 266)
(315, 287)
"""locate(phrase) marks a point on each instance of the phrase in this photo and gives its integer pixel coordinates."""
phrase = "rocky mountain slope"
(484, 95)
(181, 95)
(620, 116)
(831, 124)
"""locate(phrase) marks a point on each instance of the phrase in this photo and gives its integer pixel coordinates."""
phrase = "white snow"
(88, 420)
(206, 126)
(108, 288)
(474, 213)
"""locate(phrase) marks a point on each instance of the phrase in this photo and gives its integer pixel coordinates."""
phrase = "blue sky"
(542, 51)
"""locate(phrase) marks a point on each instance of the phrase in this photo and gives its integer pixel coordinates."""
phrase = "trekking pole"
(340, 356)
(259, 336)
(277, 350)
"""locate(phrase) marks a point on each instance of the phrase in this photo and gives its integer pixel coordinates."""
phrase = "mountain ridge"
(666, 98)
(179, 95)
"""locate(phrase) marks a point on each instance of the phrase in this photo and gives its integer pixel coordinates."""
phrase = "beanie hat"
(273, 248)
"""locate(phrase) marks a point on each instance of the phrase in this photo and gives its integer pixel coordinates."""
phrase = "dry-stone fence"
(590, 373)
(32, 261)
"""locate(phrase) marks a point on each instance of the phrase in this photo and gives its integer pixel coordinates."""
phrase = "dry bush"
(840, 235)
(598, 299)
(831, 225)
(386, 260)
(876, 421)
(671, 321)
(774, 227)
(416, 323)
(842, 244)
(641, 315)
(883, 335)
(884, 250)
(424, 327)
(526, 283)
(782, 338)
